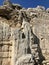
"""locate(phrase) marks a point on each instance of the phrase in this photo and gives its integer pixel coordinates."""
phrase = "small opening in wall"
(23, 35)
(41, 38)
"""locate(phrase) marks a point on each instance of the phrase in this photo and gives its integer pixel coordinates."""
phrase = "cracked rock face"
(24, 35)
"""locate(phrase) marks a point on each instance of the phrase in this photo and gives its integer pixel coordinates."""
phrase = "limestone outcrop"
(24, 35)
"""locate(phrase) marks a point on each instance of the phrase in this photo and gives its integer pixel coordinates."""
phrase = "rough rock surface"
(24, 35)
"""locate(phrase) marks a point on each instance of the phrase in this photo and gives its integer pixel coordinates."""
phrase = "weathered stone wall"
(33, 24)
(5, 44)
(41, 30)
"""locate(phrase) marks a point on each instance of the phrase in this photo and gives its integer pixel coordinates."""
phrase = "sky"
(30, 3)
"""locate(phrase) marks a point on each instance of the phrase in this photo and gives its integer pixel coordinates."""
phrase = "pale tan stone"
(0, 48)
(1, 61)
(6, 62)
(26, 23)
(10, 48)
(5, 54)
(5, 48)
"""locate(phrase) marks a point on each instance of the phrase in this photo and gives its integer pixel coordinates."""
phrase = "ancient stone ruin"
(24, 35)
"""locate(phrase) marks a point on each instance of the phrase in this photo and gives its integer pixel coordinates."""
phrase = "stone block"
(10, 48)
(0, 48)
(5, 48)
(10, 54)
(5, 54)
(6, 61)
(1, 37)
(43, 51)
(7, 42)
(6, 34)
(0, 61)
(1, 54)
(47, 50)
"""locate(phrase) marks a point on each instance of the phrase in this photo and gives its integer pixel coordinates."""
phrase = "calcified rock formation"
(24, 35)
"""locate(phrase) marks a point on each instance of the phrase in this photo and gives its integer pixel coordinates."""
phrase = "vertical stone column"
(15, 45)
(5, 44)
